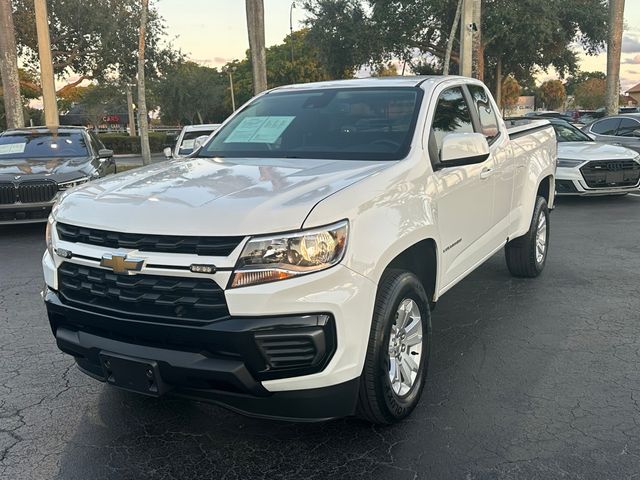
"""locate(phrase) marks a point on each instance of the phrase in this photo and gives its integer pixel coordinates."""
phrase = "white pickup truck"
(288, 268)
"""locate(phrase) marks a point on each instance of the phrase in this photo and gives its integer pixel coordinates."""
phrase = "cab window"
(452, 115)
(486, 114)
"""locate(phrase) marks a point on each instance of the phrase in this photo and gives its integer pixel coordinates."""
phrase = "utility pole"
(614, 48)
(143, 122)
(255, 27)
(233, 94)
(132, 118)
(46, 65)
(293, 4)
(478, 50)
(466, 39)
(9, 68)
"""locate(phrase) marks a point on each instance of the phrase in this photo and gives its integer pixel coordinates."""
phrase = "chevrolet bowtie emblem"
(121, 263)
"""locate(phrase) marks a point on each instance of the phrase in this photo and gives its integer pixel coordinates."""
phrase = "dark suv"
(37, 163)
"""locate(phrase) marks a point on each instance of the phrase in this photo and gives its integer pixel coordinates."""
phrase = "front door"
(465, 193)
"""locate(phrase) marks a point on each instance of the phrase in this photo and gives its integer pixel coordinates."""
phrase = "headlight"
(564, 162)
(49, 235)
(277, 257)
(72, 183)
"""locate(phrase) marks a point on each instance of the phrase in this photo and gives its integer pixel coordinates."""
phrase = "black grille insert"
(294, 349)
(214, 246)
(7, 193)
(34, 192)
(611, 173)
(148, 297)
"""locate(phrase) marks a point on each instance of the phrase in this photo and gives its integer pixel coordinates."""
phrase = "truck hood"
(593, 151)
(212, 196)
(42, 166)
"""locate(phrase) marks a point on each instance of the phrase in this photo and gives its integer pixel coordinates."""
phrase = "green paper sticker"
(259, 130)
(10, 148)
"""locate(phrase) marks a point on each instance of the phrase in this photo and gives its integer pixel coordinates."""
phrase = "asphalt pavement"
(529, 379)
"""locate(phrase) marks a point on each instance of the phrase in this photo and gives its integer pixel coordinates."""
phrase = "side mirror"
(463, 149)
(168, 153)
(105, 153)
(636, 132)
(199, 142)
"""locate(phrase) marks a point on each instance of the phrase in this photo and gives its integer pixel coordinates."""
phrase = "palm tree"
(9, 68)
(614, 47)
(143, 122)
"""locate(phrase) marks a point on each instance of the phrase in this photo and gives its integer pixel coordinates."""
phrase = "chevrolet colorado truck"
(288, 268)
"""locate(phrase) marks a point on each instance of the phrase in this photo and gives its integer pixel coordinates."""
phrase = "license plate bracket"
(133, 374)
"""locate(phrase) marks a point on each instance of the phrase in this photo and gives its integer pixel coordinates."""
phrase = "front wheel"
(398, 353)
(527, 255)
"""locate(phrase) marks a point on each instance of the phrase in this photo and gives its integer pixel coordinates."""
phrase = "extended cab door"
(465, 193)
(501, 156)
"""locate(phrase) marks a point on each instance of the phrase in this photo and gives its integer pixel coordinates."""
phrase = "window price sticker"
(259, 129)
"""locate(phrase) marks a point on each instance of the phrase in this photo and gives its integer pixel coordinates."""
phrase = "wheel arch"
(420, 258)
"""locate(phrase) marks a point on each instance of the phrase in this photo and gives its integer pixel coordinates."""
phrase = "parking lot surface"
(528, 379)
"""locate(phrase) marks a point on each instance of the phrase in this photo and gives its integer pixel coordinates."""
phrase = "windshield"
(42, 145)
(344, 124)
(189, 140)
(569, 133)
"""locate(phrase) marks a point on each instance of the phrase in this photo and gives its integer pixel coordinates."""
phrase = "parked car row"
(38, 163)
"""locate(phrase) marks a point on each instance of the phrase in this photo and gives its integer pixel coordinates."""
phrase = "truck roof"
(399, 81)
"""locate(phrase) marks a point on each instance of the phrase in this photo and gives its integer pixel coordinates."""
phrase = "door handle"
(486, 173)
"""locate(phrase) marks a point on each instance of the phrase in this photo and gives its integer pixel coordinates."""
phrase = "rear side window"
(608, 126)
(628, 128)
(488, 118)
(452, 115)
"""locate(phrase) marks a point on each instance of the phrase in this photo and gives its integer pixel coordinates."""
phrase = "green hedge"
(123, 144)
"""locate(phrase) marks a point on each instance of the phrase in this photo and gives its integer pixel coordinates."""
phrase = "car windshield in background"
(42, 145)
(189, 140)
(569, 133)
(344, 124)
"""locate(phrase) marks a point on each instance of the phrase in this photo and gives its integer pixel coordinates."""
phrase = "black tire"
(520, 252)
(377, 401)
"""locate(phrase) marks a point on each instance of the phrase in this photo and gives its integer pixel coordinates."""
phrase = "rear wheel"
(527, 255)
(398, 352)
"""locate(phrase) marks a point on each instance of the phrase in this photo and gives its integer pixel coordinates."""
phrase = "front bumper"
(17, 213)
(223, 362)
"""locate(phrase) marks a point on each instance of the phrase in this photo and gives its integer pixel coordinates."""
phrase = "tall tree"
(95, 39)
(189, 93)
(9, 68)
(510, 93)
(143, 120)
(614, 49)
(255, 28)
(590, 94)
(452, 36)
(552, 94)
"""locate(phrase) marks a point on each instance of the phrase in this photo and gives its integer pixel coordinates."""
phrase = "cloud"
(632, 61)
(630, 44)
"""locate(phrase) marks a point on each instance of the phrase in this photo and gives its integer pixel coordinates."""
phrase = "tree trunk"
(614, 46)
(478, 48)
(199, 117)
(143, 122)
(499, 84)
(9, 68)
(452, 35)
(132, 118)
(255, 27)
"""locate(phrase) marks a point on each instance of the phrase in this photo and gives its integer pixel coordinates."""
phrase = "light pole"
(230, 71)
(46, 65)
(293, 5)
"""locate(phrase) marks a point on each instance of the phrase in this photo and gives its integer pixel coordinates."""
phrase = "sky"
(213, 32)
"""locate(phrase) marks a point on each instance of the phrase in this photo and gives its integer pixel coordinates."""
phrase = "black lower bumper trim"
(223, 362)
